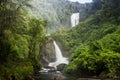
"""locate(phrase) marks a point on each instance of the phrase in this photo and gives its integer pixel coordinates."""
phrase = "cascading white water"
(59, 57)
(58, 52)
(74, 19)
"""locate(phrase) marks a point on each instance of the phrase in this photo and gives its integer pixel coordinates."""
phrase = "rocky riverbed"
(55, 75)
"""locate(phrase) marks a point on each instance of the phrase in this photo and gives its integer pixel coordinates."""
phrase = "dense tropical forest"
(93, 45)
(20, 38)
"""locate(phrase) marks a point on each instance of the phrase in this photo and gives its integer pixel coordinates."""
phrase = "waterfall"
(59, 57)
(58, 52)
(74, 19)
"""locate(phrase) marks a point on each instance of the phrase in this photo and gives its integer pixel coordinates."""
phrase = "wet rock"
(94, 79)
(58, 77)
(61, 67)
(87, 79)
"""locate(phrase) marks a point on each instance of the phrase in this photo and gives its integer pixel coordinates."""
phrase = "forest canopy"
(94, 44)
(20, 38)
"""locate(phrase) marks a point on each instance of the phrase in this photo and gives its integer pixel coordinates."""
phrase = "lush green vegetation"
(20, 40)
(58, 12)
(21, 34)
(94, 44)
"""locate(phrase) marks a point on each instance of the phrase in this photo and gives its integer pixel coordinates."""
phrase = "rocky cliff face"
(47, 53)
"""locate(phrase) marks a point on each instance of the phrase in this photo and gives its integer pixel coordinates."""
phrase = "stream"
(55, 75)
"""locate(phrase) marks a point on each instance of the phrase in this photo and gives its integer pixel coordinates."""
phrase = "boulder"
(61, 67)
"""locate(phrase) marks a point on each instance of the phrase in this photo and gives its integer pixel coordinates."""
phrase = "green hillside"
(58, 12)
(94, 44)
